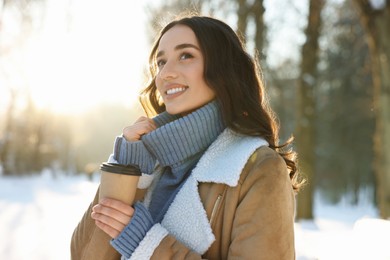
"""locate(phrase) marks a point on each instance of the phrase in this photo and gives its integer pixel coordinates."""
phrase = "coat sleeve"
(89, 242)
(263, 224)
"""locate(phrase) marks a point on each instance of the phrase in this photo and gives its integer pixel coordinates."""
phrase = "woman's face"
(179, 76)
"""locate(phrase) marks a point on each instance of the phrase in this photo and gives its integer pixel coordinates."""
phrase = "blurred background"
(71, 71)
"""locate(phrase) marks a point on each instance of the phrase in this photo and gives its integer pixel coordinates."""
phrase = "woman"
(215, 183)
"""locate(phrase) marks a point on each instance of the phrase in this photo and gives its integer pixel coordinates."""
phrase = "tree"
(306, 108)
(376, 22)
(5, 142)
(8, 134)
(345, 122)
(251, 10)
(25, 145)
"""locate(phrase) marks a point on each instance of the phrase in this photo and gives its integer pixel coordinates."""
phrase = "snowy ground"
(38, 215)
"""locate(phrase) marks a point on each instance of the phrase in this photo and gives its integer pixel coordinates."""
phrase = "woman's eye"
(185, 56)
(160, 63)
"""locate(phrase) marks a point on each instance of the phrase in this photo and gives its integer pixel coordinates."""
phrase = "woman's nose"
(168, 71)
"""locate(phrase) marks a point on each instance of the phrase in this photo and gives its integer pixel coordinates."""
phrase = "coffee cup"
(118, 181)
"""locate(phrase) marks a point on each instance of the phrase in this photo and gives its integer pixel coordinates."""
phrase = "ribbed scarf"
(177, 146)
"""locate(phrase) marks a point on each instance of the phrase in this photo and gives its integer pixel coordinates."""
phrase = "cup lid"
(120, 168)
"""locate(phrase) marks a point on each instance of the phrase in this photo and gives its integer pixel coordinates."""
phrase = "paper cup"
(118, 182)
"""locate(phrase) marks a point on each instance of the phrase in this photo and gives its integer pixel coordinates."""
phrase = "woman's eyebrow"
(186, 45)
(179, 47)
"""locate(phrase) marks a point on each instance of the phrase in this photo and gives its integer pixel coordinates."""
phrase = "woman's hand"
(112, 216)
(142, 126)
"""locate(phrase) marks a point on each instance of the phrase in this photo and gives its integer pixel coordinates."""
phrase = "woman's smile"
(174, 91)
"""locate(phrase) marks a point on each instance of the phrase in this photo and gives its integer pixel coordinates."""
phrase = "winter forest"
(71, 71)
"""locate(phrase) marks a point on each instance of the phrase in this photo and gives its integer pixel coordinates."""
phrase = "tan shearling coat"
(238, 203)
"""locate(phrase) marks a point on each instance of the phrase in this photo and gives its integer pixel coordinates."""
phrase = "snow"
(343, 232)
(38, 215)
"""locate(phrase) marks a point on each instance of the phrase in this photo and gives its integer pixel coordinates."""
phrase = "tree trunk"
(258, 15)
(8, 129)
(242, 18)
(306, 130)
(376, 22)
(256, 11)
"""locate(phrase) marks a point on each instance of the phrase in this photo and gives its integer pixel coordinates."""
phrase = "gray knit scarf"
(176, 145)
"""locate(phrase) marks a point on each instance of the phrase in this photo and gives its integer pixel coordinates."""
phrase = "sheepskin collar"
(226, 158)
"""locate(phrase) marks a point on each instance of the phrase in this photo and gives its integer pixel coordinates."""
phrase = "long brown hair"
(236, 79)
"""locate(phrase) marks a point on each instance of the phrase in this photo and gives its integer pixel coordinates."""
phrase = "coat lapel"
(186, 218)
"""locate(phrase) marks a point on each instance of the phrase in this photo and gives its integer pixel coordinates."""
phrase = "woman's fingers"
(109, 225)
(116, 215)
(118, 206)
(141, 119)
(113, 233)
(112, 216)
(142, 126)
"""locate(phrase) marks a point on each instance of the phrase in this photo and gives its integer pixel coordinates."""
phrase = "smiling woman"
(215, 182)
(71, 67)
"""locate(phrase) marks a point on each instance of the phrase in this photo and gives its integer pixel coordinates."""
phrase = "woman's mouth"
(173, 91)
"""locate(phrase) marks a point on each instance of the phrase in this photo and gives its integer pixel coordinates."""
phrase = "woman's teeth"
(175, 90)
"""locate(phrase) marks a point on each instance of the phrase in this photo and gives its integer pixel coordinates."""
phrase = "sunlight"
(98, 57)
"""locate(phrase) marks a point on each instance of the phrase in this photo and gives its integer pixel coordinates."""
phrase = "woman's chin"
(179, 110)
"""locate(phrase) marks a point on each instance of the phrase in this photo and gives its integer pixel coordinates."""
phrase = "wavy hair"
(237, 81)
